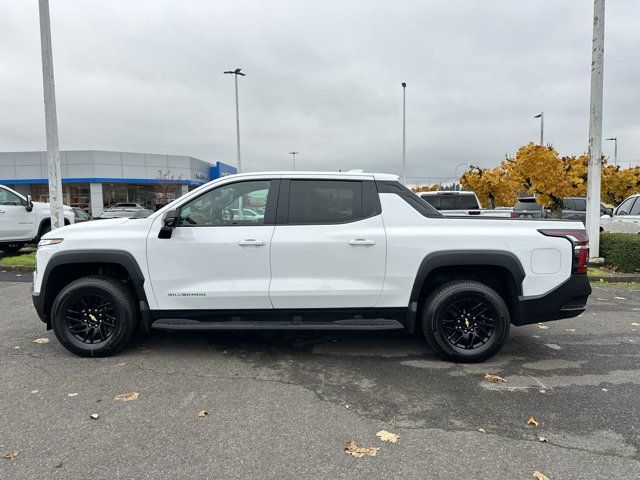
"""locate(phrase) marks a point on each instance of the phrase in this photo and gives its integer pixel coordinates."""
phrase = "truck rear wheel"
(465, 321)
(94, 316)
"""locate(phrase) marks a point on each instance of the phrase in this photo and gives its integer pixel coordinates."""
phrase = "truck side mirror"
(29, 206)
(170, 222)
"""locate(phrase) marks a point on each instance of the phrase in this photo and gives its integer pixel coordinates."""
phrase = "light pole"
(50, 119)
(404, 134)
(293, 154)
(595, 131)
(455, 172)
(615, 150)
(541, 117)
(235, 73)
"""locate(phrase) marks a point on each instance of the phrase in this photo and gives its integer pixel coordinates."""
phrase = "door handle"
(250, 242)
(361, 242)
(1, 211)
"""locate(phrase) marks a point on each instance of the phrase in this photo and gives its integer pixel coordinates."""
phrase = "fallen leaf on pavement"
(542, 439)
(17, 347)
(392, 421)
(74, 394)
(539, 476)
(570, 329)
(532, 421)
(605, 390)
(620, 298)
(203, 413)
(635, 324)
(94, 416)
(11, 455)
(493, 378)
(553, 346)
(358, 452)
(387, 436)
(543, 326)
(126, 397)
(35, 391)
(347, 406)
(482, 430)
(512, 389)
(121, 364)
(41, 340)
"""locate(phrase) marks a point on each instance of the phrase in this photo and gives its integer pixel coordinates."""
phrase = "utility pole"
(541, 117)
(50, 119)
(235, 73)
(595, 131)
(615, 150)
(404, 134)
(293, 154)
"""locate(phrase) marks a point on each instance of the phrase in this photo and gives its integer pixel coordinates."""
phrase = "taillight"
(580, 242)
(514, 215)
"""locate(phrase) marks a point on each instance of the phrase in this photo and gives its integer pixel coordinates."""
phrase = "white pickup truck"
(325, 251)
(461, 204)
(23, 221)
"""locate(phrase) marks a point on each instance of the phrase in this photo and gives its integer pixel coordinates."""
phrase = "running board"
(196, 325)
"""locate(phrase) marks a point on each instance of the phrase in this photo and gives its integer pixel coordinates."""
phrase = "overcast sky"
(323, 78)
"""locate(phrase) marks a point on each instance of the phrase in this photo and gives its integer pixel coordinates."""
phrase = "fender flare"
(453, 258)
(119, 257)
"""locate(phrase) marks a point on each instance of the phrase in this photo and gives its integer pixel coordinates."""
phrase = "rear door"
(329, 245)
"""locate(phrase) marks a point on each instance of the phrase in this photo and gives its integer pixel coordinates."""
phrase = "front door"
(218, 255)
(329, 246)
(15, 222)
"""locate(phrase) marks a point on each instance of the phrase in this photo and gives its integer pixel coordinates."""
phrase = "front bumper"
(566, 301)
(38, 303)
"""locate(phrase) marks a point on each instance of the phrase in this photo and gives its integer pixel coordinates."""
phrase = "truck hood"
(109, 225)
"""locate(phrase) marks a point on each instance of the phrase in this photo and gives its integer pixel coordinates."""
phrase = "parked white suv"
(625, 217)
(325, 251)
(23, 221)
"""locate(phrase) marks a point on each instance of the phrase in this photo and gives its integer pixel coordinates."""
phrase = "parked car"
(80, 215)
(118, 206)
(334, 251)
(24, 221)
(460, 204)
(574, 208)
(625, 218)
(124, 213)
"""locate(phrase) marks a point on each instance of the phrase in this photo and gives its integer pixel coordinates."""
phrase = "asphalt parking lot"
(284, 405)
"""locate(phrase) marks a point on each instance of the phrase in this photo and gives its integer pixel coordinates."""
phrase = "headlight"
(49, 241)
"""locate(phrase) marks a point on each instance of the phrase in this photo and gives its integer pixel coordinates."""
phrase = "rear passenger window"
(432, 200)
(324, 201)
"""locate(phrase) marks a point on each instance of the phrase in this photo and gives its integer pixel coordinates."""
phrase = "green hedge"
(621, 250)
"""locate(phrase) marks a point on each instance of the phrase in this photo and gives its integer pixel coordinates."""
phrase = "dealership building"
(95, 179)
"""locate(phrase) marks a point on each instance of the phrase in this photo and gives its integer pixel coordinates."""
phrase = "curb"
(16, 268)
(615, 279)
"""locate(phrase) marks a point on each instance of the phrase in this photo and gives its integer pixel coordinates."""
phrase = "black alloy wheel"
(465, 321)
(94, 316)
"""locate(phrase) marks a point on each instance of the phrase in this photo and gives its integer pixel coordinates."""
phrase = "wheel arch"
(499, 269)
(64, 267)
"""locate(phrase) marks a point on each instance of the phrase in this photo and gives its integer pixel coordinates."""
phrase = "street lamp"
(541, 117)
(235, 73)
(404, 134)
(293, 154)
(615, 150)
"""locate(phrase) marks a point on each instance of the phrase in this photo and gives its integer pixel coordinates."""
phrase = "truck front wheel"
(465, 321)
(94, 316)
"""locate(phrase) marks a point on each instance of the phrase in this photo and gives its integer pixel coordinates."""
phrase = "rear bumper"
(566, 301)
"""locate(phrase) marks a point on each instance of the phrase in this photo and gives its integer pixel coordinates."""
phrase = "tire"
(46, 228)
(465, 321)
(11, 247)
(94, 316)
